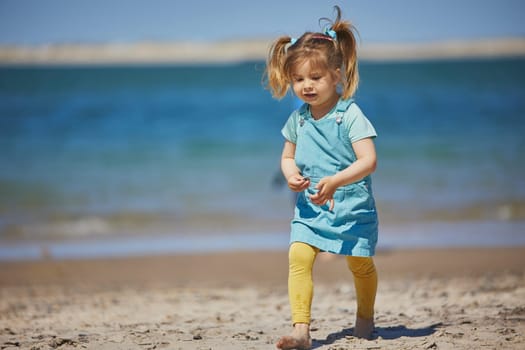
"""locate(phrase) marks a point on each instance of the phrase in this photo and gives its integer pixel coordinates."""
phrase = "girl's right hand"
(298, 183)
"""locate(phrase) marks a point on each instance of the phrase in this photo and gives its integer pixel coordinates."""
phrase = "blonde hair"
(322, 50)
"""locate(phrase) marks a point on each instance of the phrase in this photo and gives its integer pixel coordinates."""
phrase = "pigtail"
(347, 45)
(275, 75)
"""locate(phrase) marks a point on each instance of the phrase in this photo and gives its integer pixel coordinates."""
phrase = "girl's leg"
(365, 280)
(300, 283)
(300, 292)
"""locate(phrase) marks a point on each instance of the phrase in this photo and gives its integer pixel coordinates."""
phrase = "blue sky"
(29, 22)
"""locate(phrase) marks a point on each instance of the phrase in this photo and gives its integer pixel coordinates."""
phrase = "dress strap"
(303, 110)
(303, 113)
(342, 105)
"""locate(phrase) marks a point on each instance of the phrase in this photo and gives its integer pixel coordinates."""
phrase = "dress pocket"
(358, 203)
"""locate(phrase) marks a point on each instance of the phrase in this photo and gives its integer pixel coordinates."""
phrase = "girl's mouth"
(309, 95)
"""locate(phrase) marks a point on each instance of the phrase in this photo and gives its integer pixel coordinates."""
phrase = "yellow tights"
(300, 283)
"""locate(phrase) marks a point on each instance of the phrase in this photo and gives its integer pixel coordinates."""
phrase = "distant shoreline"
(241, 51)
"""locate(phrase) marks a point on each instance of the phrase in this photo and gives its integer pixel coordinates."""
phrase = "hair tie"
(331, 33)
(293, 41)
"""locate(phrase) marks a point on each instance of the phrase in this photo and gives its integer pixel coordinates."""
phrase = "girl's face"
(316, 86)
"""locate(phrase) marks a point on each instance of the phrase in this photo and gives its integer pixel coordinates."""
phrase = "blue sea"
(124, 160)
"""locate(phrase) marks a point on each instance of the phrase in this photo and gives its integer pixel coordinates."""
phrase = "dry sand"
(239, 51)
(427, 299)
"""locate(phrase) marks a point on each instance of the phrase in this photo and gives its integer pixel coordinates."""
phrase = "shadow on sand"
(393, 332)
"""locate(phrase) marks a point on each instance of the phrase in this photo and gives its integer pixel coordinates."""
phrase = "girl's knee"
(362, 267)
(302, 254)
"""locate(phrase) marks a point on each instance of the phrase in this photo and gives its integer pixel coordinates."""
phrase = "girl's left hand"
(325, 192)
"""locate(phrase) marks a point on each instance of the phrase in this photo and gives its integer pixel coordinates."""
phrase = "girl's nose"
(307, 85)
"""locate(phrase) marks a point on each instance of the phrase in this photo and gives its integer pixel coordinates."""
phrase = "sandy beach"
(428, 299)
(232, 51)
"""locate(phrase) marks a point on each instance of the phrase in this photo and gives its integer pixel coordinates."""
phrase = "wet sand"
(427, 299)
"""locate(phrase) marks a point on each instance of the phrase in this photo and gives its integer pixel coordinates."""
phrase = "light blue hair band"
(331, 33)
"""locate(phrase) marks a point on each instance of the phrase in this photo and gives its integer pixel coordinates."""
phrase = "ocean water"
(186, 158)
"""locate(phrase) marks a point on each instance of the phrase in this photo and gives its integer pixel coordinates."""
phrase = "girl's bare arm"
(296, 182)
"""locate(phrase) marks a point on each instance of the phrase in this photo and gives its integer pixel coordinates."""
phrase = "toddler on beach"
(327, 159)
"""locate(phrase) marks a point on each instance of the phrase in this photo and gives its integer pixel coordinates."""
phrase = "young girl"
(328, 157)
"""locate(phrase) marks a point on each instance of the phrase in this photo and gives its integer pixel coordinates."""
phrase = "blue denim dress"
(323, 148)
